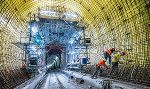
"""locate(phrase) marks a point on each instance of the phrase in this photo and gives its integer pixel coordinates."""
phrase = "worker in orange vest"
(107, 54)
(99, 67)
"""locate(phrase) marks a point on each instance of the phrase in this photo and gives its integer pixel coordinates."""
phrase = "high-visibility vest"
(101, 63)
(109, 51)
(116, 57)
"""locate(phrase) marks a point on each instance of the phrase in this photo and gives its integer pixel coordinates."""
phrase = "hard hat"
(122, 53)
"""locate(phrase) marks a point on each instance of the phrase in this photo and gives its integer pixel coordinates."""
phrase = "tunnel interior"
(54, 58)
(42, 34)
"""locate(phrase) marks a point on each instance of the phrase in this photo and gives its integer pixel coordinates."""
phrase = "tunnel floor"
(58, 80)
(64, 79)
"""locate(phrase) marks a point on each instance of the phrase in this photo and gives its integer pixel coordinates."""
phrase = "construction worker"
(107, 54)
(99, 67)
(115, 61)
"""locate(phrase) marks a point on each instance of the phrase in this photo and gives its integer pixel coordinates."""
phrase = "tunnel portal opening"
(53, 56)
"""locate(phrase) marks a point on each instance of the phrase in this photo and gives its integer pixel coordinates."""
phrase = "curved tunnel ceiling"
(22, 8)
(91, 11)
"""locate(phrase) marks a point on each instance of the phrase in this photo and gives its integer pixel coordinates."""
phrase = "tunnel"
(46, 44)
(53, 55)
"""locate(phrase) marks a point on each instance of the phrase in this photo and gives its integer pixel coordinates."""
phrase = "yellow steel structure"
(123, 24)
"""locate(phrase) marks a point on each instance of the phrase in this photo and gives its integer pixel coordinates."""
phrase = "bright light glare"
(72, 52)
(48, 66)
(71, 15)
(39, 52)
(33, 48)
(2, 21)
(72, 61)
(48, 13)
(37, 40)
(34, 29)
(56, 57)
(28, 26)
(71, 41)
(80, 32)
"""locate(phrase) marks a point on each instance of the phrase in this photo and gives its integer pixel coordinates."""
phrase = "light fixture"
(80, 32)
(2, 22)
(39, 53)
(33, 48)
(37, 39)
(48, 13)
(72, 52)
(71, 41)
(34, 30)
(70, 15)
(48, 66)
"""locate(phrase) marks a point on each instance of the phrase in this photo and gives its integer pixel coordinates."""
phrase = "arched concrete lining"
(115, 19)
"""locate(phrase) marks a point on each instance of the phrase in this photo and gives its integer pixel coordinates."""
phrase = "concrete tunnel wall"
(10, 58)
(124, 24)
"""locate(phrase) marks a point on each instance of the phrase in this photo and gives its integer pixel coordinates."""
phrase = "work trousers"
(107, 57)
(114, 69)
(97, 71)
